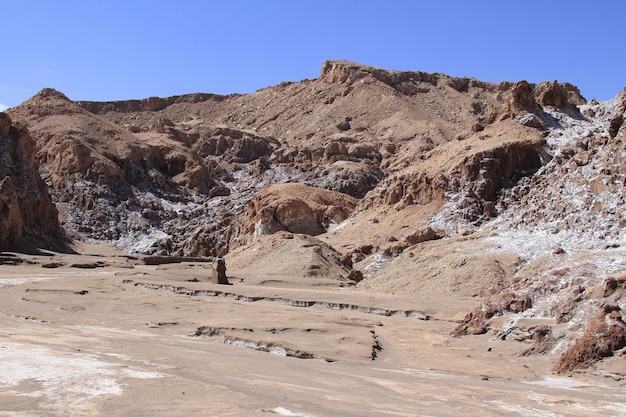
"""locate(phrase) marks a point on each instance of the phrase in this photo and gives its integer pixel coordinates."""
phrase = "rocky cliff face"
(26, 211)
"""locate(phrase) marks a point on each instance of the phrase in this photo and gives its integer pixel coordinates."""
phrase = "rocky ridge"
(150, 175)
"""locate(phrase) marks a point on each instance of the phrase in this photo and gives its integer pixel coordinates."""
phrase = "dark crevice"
(291, 302)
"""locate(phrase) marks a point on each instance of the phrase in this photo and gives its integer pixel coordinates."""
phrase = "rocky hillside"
(396, 182)
(152, 175)
(27, 214)
(567, 225)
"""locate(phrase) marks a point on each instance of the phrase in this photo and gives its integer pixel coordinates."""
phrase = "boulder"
(521, 98)
(219, 191)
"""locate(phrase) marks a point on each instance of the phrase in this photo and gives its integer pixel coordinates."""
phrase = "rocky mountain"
(392, 182)
(146, 175)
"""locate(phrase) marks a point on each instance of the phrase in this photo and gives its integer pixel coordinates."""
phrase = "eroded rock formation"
(218, 275)
(296, 208)
(476, 321)
(138, 173)
(603, 336)
(26, 210)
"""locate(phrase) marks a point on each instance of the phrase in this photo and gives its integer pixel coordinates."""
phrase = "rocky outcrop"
(234, 145)
(26, 210)
(567, 223)
(218, 275)
(355, 178)
(148, 104)
(10, 214)
(470, 177)
(406, 82)
(603, 336)
(421, 235)
(296, 208)
(559, 95)
(525, 97)
(476, 321)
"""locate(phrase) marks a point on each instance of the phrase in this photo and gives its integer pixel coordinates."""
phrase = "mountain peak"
(51, 93)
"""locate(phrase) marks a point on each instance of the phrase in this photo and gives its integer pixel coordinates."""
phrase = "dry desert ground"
(103, 333)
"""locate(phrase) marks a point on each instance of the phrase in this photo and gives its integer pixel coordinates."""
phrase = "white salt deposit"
(565, 383)
(63, 380)
(574, 204)
(285, 412)
(23, 280)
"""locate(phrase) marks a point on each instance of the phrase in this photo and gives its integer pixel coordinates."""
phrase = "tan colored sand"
(120, 340)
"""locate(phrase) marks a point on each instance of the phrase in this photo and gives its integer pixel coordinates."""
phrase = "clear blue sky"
(115, 50)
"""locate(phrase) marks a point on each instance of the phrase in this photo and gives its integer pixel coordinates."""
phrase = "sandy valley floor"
(104, 334)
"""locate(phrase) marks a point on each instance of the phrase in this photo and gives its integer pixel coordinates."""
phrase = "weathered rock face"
(10, 214)
(26, 210)
(525, 97)
(603, 336)
(567, 223)
(475, 322)
(353, 178)
(295, 208)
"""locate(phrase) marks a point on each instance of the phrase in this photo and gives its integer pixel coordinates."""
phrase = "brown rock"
(551, 94)
(218, 275)
(355, 275)
(219, 191)
(296, 208)
(423, 235)
(477, 321)
(489, 209)
(603, 336)
(211, 240)
(559, 95)
(26, 210)
(5, 124)
(478, 127)
(615, 125)
(346, 260)
(521, 98)
(10, 214)
(531, 120)
(345, 125)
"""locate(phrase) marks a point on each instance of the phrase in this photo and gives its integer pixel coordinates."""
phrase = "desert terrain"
(103, 333)
(396, 243)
